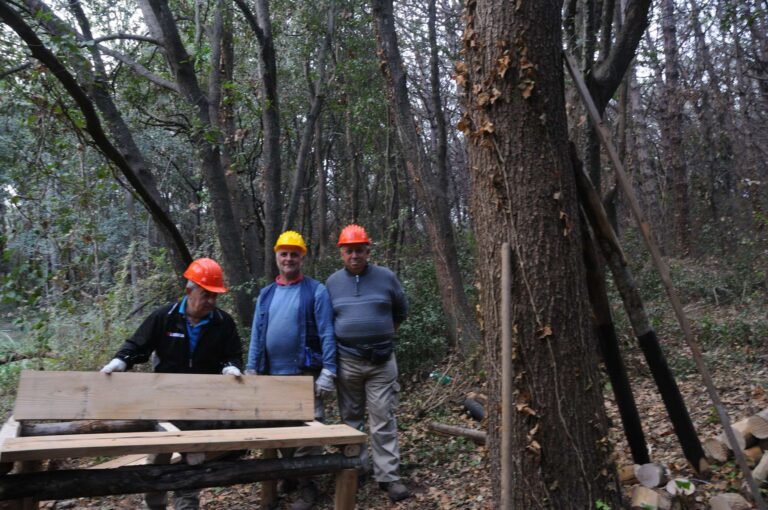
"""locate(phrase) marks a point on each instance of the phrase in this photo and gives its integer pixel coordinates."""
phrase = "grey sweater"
(366, 307)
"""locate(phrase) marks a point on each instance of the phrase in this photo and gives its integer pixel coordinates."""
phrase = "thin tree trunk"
(462, 329)
(318, 96)
(222, 104)
(672, 131)
(209, 156)
(261, 25)
(322, 193)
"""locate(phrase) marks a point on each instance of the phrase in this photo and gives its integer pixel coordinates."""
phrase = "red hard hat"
(207, 274)
(353, 234)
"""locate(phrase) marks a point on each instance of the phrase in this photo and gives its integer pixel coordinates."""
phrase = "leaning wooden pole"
(506, 376)
(609, 348)
(638, 319)
(663, 269)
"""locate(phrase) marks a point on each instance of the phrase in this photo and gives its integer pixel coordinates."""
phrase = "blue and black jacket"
(316, 348)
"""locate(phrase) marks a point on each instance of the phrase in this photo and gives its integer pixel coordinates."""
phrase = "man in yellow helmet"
(292, 334)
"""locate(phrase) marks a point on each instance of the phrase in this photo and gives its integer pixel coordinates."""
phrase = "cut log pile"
(650, 491)
(751, 438)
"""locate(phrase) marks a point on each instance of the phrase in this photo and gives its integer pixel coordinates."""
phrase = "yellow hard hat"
(292, 239)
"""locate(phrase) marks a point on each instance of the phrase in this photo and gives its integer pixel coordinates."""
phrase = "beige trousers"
(363, 386)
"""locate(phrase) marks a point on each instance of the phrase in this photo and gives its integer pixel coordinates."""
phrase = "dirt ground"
(452, 473)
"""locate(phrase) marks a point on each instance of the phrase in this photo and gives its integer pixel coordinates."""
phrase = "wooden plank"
(141, 460)
(269, 487)
(127, 460)
(11, 428)
(166, 426)
(55, 447)
(145, 396)
(346, 489)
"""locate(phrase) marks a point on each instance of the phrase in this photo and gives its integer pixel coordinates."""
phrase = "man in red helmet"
(191, 336)
(368, 304)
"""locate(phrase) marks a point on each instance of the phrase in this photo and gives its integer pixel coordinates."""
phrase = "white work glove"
(232, 370)
(324, 386)
(116, 365)
(195, 458)
(250, 371)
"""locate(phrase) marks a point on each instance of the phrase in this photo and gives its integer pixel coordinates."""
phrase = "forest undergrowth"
(447, 472)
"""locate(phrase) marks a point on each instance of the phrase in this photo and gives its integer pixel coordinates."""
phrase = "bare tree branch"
(14, 70)
(140, 69)
(92, 122)
(131, 37)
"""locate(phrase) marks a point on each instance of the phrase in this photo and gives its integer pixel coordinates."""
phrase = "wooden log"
(474, 408)
(716, 450)
(753, 455)
(761, 470)
(651, 475)
(729, 501)
(480, 397)
(758, 426)
(644, 498)
(136, 479)
(680, 487)
(641, 326)
(477, 436)
(627, 474)
(743, 434)
(85, 427)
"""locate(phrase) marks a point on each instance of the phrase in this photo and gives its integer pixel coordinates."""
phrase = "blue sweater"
(292, 329)
(366, 307)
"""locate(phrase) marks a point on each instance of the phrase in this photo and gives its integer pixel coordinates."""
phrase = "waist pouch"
(377, 355)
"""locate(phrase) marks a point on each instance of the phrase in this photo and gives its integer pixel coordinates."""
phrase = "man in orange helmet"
(369, 304)
(191, 336)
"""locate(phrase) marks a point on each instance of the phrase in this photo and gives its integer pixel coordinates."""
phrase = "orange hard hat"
(207, 274)
(353, 234)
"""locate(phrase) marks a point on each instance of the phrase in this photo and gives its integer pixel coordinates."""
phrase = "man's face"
(200, 302)
(289, 262)
(355, 257)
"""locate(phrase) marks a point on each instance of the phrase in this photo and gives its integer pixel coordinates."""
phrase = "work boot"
(307, 496)
(396, 490)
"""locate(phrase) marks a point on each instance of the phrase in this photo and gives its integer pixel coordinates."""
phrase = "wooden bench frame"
(128, 414)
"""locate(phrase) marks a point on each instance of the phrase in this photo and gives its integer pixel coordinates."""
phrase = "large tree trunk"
(261, 24)
(431, 189)
(524, 193)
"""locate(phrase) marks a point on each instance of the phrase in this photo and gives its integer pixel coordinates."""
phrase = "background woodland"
(136, 135)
